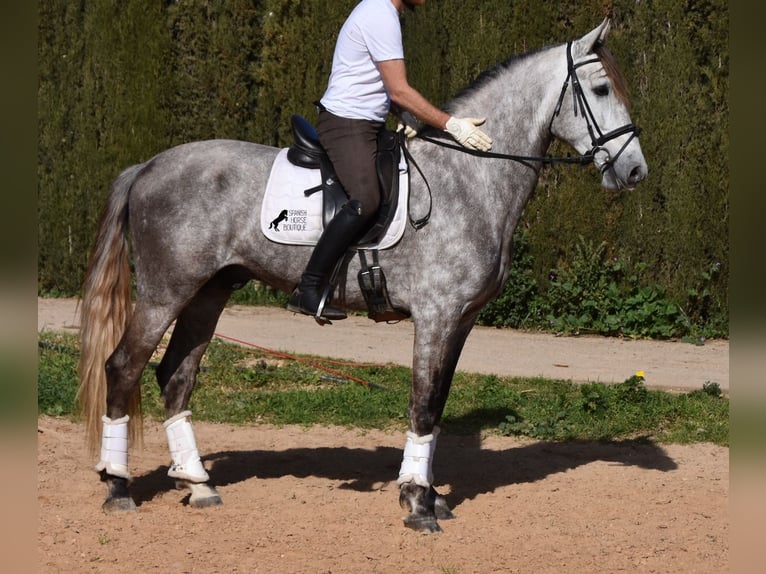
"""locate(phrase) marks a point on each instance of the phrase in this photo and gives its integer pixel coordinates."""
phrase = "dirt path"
(324, 499)
(672, 365)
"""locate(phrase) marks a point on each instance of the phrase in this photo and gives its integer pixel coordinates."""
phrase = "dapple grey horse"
(189, 212)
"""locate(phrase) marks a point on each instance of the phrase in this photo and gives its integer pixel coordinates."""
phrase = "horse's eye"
(601, 90)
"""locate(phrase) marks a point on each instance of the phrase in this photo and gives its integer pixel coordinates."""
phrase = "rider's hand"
(408, 123)
(466, 133)
(408, 131)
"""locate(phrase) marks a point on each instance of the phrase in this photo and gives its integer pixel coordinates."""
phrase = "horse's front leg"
(436, 354)
(416, 491)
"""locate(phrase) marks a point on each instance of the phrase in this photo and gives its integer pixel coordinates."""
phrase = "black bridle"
(580, 103)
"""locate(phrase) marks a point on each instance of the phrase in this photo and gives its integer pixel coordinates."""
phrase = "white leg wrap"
(418, 459)
(183, 449)
(114, 447)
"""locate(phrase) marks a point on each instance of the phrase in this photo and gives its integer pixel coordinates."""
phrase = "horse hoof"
(205, 502)
(204, 496)
(113, 505)
(441, 509)
(426, 524)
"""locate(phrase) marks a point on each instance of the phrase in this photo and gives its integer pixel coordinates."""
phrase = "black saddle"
(306, 151)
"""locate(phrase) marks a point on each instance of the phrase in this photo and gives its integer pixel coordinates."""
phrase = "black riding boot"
(343, 230)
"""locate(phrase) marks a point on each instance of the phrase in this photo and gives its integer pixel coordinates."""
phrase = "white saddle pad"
(291, 218)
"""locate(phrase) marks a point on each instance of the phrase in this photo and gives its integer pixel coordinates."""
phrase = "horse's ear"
(584, 46)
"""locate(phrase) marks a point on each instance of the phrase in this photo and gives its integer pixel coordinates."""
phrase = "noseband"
(580, 105)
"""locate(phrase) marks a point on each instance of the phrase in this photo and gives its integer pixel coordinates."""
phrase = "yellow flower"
(640, 374)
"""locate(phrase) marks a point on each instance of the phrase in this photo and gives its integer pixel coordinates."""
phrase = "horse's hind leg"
(123, 372)
(176, 375)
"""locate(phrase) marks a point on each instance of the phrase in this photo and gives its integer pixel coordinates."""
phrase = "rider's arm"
(464, 130)
(394, 74)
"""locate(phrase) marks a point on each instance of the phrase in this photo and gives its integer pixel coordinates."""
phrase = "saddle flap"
(388, 158)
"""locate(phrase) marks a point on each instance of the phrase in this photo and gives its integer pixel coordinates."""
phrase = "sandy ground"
(324, 499)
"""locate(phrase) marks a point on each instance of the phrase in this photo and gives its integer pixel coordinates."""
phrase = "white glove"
(408, 131)
(407, 122)
(466, 133)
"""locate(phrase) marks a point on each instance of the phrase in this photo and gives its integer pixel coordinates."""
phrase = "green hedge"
(120, 82)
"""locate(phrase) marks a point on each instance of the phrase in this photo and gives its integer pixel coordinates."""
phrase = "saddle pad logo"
(277, 220)
(290, 220)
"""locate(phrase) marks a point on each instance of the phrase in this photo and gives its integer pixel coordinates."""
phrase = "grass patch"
(239, 385)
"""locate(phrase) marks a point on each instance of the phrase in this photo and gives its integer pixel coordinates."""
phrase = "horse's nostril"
(637, 174)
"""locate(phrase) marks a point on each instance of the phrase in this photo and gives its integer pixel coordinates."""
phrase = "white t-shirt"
(372, 33)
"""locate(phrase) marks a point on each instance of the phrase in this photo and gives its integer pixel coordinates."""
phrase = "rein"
(522, 159)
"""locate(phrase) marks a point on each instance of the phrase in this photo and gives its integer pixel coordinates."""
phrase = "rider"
(368, 76)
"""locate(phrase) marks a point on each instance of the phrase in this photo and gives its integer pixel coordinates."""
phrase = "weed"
(56, 374)
(709, 389)
(255, 293)
(594, 399)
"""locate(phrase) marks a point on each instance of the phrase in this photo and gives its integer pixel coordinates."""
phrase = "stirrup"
(296, 304)
(372, 282)
(318, 316)
(327, 291)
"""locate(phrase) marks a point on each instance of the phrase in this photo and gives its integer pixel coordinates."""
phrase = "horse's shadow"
(460, 462)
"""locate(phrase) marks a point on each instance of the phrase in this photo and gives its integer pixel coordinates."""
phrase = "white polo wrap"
(183, 449)
(418, 459)
(114, 447)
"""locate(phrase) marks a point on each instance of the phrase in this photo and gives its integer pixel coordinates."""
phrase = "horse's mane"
(608, 61)
(487, 76)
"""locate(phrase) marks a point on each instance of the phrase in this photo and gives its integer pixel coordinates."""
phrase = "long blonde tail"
(105, 311)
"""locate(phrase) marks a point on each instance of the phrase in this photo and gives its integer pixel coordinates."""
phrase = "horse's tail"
(106, 309)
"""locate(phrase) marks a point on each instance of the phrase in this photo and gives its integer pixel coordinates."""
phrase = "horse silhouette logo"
(279, 219)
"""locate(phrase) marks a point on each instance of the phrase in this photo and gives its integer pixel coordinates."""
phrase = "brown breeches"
(352, 146)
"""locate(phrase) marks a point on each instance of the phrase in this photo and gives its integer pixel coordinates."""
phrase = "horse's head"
(592, 112)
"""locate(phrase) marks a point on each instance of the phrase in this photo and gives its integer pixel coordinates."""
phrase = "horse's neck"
(519, 102)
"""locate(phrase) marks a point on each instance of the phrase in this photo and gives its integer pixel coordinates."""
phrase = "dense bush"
(606, 296)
